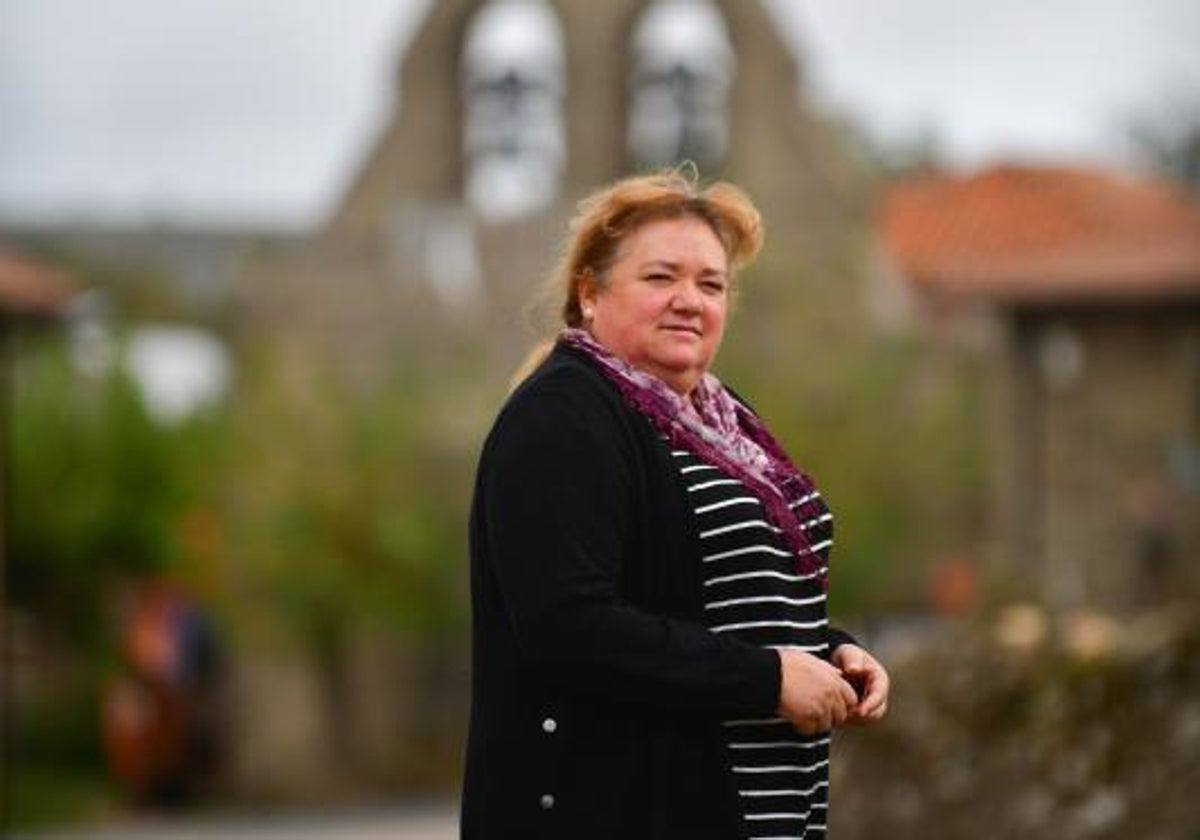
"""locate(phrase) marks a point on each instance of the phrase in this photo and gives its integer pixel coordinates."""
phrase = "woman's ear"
(588, 290)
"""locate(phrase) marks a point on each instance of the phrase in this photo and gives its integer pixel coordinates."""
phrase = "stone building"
(509, 111)
(1083, 287)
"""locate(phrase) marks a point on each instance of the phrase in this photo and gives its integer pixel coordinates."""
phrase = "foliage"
(889, 427)
(346, 507)
(1167, 137)
(43, 797)
(97, 489)
(100, 495)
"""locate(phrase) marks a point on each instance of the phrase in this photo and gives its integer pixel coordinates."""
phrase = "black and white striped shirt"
(753, 589)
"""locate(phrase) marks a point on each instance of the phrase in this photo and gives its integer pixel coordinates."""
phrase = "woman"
(651, 656)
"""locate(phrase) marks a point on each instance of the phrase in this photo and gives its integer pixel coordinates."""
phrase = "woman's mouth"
(683, 329)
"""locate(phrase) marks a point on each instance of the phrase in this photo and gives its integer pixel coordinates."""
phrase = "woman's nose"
(687, 297)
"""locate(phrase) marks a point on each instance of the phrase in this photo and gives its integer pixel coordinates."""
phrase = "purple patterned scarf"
(724, 433)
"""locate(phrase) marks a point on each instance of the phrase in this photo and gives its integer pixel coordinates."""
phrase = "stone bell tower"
(508, 111)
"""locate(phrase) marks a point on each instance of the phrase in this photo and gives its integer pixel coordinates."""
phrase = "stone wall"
(1088, 727)
(1109, 501)
(390, 718)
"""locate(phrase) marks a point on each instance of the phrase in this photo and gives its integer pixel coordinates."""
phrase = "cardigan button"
(550, 726)
(547, 801)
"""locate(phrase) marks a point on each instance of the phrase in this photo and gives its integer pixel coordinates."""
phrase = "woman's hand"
(813, 694)
(860, 668)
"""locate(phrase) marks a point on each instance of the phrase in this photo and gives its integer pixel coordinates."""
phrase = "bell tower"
(508, 111)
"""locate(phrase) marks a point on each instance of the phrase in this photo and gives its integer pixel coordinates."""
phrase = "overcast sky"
(258, 110)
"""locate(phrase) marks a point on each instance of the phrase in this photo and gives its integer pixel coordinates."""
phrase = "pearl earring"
(587, 313)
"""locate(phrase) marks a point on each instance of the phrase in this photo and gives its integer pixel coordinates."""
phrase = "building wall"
(1108, 496)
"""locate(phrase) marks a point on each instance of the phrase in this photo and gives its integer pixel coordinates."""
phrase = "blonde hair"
(608, 216)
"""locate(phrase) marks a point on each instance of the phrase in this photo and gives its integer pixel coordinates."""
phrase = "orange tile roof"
(1016, 233)
(30, 288)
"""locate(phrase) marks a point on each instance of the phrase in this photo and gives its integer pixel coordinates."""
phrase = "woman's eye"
(713, 288)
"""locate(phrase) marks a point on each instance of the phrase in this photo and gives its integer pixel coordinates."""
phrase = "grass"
(45, 797)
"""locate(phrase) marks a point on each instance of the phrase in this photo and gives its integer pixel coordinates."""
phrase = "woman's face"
(663, 309)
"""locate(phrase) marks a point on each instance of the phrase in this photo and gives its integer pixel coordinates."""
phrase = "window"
(683, 69)
(512, 87)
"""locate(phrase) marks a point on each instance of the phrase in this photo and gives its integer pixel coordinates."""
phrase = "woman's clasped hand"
(816, 695)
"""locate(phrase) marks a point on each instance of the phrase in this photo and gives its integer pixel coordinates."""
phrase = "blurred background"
(265, 270)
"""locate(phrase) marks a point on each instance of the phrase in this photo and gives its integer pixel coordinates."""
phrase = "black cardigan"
(596, 691)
